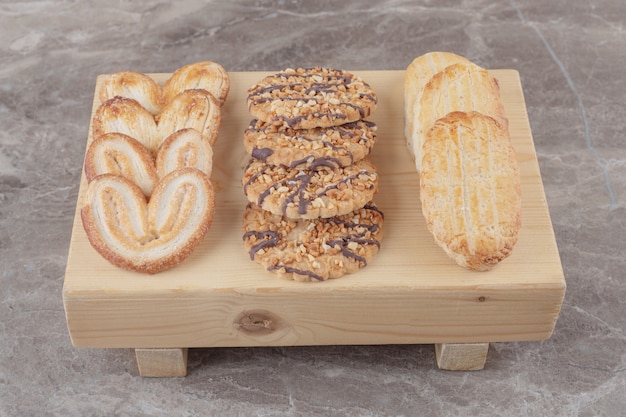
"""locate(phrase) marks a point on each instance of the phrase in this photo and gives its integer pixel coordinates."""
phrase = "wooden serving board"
(411, 292)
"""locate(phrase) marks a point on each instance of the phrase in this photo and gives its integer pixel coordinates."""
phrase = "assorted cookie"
(315, 249)
(148, 235)
(306, 98)
(334, 147)
(309, 182)
(149, 200)
(312, 193)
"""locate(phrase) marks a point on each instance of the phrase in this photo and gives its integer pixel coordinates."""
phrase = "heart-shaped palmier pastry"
(206, 75)
(119, 154)
(127, 116)
(185, 148)
(191, 109)
(154, 236)
(195, 109)
(135, 85)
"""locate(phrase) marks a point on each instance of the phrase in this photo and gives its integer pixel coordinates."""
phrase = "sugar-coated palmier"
(148, 236)
(196, 109)
(135, 85)
(119, 154)
(205, 75)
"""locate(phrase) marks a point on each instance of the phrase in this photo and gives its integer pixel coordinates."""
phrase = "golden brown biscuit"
(470, 189)
(335, 146)
(459, 87)
(306, 98)
(307, 194)
(417, 75)
(315, 249)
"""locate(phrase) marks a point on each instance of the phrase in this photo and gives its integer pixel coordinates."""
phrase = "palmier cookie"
(306, 98)
(197, 109)
(316, 249)
(119, 154)
(148, 237)
(335, 146)
(185, 148)
(135, 85)
(127, 116)
(307, 194)
(206, 75)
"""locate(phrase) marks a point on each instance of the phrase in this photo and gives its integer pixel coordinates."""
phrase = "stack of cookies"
(309, 182)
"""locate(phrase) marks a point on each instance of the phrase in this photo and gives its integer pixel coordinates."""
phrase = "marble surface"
(570, 55)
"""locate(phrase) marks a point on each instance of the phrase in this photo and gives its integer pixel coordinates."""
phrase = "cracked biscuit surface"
(306, 98)
(313, 249)
(307, 194)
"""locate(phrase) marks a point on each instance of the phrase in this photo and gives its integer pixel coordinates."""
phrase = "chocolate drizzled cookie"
(307, 194)
(313, 250)
(306, 98)
(334, 147)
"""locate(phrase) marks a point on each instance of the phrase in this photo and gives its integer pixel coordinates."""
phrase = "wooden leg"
(162, 362)
(461, 356)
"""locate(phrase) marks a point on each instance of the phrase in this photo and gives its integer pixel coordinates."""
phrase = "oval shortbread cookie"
(470, 189)
(459, 87)
(306, 194)
(335, 146)
(316, 249)
(306, 98)
(419, 72)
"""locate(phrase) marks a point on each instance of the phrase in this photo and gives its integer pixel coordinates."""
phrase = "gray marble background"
(571, 56)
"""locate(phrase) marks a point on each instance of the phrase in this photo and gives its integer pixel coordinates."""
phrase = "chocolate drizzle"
(298, 186)
(316, 86)
(266, 239)
(358, 238)
(261, 153)
(291, 270)
(331, 147)
(329, 241)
